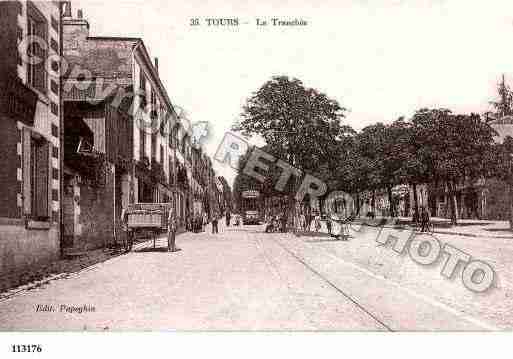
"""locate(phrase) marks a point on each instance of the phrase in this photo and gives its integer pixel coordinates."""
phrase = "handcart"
(145, 220)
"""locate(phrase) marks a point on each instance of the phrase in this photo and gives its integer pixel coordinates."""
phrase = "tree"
(300, 125)
(456, 149)
(502, 107)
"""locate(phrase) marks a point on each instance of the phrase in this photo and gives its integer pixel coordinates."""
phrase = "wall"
(96, 214)
(21, 249)
(9, 163)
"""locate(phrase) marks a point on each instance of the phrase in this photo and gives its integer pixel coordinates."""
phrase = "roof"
(103, 57)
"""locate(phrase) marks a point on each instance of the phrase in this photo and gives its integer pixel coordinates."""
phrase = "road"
(244, 279)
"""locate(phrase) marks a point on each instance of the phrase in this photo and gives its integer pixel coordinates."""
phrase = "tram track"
(323, 278)
(443, 309)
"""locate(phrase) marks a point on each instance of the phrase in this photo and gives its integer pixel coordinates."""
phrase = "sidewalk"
(15, 282)
(465, 227)
(471, 228)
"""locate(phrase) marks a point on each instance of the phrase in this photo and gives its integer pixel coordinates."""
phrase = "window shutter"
(42, 180)
(27, 210)
(48, 151)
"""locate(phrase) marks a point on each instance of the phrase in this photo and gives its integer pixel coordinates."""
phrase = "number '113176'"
(26, 348)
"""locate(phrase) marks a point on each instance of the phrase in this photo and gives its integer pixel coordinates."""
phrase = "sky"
(379, 59)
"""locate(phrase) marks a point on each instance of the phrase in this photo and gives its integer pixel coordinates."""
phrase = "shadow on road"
(151, 249)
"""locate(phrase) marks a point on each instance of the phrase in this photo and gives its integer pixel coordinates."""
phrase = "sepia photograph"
(234, 166)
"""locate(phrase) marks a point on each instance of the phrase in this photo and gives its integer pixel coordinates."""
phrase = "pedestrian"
(317, 222)
(297, 225)
(308, 221)
(302, 221)
(269, 225)
(328, 225)
(204, 221)
(215, 219)
(284, 222)
(228, 217)
(195, 223)
(171, 231)
(188, 224)
(424, 218)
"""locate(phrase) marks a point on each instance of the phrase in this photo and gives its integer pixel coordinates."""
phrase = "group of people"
(301, 223)
(196, 223)
(277, 223)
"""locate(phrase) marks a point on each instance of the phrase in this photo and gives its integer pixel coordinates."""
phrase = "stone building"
(119, 128)
(30, 125)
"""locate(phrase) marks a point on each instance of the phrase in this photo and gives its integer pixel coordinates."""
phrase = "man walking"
(228, 217)
(215, 219)
(205, 221)
(171, 231)
(424, 218)
(328, 225)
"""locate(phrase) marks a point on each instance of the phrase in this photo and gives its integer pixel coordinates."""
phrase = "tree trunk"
(373, 202)
(415, 204)
(390, 201)
(453, 203)
(510, 204)
(357, 204)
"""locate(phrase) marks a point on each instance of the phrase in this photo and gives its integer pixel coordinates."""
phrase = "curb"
(472, 235)
(463, 234)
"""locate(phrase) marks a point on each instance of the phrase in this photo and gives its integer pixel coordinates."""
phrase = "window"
(55, 130)
(55, 88)
(171, 174)
(142, 80)
(37, 192)
(153, 145)
(161, 154)
(38, 27)
(178, 141)
(54, 45)
(55, 66)
(153, 98)
(55, 110)
(142, 87)
(55, 25)
(142, 144)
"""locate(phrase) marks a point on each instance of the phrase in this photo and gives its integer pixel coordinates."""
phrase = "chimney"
(74, 29)
(157, 64)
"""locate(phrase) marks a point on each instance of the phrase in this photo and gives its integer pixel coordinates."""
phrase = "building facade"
(30, 124)
(119, 128)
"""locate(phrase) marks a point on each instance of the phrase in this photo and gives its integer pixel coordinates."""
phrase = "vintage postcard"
(255, 166)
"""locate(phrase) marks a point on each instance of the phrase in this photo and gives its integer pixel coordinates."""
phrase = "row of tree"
(305, 128)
